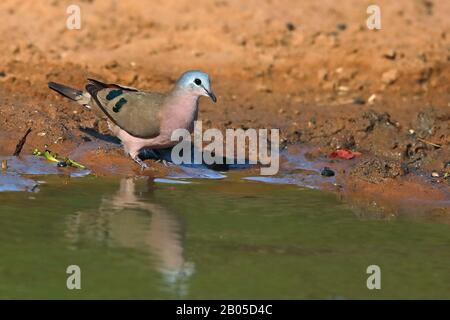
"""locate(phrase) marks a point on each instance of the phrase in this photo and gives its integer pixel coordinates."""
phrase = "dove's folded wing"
(136, 112)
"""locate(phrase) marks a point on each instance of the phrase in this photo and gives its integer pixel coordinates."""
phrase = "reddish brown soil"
(306, 67)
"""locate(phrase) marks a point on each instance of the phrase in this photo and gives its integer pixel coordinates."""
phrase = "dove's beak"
(211, 95)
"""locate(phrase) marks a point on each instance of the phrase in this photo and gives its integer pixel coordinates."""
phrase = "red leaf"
(344, 154)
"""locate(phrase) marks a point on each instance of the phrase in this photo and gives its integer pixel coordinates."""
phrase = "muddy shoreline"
(327, 84)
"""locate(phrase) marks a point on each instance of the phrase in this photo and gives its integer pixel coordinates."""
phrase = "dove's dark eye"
(198, 82)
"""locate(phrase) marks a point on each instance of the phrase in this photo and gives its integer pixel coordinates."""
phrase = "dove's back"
(136, 112)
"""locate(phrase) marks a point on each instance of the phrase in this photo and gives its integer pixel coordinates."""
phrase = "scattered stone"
(425, 75)
(322, 74)
(422, 57)
(341, 26)
(390, 77)
(391, 55)
(112, 65)
(435, 174)
(16, 49)
(4, 164)
(62, 164)
(327, 172)
(359, 100)
(290, 26)
(260, 88)
(372, 98)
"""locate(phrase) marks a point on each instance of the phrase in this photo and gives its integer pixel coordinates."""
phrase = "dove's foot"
(164, 162)
(141, 163)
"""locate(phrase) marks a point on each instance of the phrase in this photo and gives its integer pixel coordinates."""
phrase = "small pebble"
(4, 164)
(322, 74)
(390, 77)
(62, 164)
(290, 26)
(359, 100)
(112, 65)
(435, 174)
(372, 98)
(391, 55)
(341, 26)
(327, 172)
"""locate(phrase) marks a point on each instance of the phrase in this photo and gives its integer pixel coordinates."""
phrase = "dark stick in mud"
(21, 143)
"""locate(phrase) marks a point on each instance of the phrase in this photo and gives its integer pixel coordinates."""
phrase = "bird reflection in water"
(129, 219)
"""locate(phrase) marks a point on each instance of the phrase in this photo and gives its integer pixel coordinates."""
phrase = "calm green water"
(210, 239)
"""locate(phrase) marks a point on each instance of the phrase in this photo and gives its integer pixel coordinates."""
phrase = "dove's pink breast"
(180, 112)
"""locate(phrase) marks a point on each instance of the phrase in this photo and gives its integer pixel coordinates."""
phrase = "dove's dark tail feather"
(68, 92)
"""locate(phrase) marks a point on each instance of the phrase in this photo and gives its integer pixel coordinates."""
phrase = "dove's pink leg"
(133, 145)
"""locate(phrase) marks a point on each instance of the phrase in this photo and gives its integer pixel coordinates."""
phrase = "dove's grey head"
(197, 83)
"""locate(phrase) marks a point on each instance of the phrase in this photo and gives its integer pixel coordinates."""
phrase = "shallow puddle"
(217, 238)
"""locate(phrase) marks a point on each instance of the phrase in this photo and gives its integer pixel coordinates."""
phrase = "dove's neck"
(180, 99)
(177, 93)
(181, 109)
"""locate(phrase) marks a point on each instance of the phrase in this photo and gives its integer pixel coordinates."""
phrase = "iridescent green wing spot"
(119, 104)
(113, 94)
